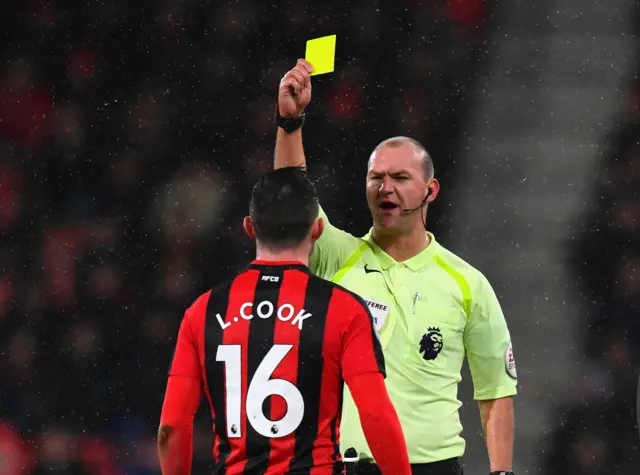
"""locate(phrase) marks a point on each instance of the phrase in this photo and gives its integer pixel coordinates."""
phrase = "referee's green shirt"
(429, 311)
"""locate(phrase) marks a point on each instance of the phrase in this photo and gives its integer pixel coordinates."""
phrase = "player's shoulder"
(459, 268)
(217, 293)
(200, 303)
(223, 287)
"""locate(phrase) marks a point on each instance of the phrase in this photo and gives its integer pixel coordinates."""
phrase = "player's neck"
(402, 246)
(288, 255)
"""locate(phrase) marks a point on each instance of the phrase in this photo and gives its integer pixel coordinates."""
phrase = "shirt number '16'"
(260, 388)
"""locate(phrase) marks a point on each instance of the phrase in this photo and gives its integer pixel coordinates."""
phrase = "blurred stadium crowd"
(130, 135)
(598, 435)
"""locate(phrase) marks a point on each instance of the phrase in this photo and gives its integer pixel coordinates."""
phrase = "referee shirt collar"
(415, 263)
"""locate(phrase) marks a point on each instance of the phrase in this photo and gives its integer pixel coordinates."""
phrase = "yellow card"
(321, 53)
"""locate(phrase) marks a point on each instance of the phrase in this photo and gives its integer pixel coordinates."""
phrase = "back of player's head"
(283, 207)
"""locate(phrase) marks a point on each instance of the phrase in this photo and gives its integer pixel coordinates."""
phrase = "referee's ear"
(247, 224)
(317, 229)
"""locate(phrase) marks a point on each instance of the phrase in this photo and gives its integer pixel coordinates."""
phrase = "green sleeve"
(488, 346)
(331, 250)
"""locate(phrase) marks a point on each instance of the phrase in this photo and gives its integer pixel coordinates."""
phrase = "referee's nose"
(386, 185)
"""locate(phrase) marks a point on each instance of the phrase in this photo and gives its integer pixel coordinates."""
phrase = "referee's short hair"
(427, 162)
(284, 205)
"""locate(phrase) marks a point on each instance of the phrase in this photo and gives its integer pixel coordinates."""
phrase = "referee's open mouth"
(387, 206)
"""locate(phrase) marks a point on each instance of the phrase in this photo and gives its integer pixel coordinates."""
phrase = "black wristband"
(289, 124)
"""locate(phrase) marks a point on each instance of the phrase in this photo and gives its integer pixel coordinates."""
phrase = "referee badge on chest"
(379, 312)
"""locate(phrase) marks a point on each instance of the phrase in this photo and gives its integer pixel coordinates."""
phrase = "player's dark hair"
(284, 205)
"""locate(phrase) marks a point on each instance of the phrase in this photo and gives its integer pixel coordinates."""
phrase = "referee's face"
(396, 182)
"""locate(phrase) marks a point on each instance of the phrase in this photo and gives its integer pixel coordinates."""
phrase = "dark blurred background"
(130, 136)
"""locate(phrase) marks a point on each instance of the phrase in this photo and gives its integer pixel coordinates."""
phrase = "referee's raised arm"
(333, 249)
(294, 95)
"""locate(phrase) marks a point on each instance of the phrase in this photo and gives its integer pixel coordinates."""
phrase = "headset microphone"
(424, 201)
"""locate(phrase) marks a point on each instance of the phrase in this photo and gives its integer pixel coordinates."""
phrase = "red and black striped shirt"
(272, 349)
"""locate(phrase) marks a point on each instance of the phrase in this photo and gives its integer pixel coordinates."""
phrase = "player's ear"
(247, 224)
(317, 229)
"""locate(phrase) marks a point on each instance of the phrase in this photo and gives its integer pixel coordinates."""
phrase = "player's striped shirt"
(272, 346)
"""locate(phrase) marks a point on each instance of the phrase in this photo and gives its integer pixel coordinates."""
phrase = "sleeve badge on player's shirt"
(510, 362)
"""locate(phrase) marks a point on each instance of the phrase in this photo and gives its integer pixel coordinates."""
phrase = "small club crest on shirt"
(431, 344)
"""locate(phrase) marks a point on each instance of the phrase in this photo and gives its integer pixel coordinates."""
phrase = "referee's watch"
(289, 124)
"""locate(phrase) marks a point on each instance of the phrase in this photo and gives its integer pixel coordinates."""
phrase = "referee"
(430, 307)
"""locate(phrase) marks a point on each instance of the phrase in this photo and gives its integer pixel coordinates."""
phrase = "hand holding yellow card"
(321, 53)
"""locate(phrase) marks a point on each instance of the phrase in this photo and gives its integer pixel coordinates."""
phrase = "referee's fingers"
(304, 70)
(299, 76)
(291, 83)
(304, 64)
